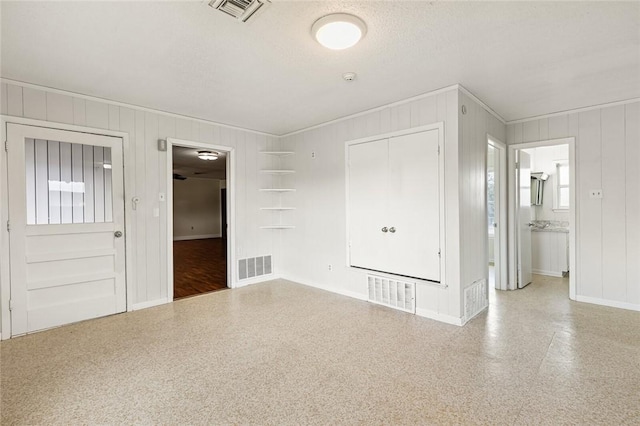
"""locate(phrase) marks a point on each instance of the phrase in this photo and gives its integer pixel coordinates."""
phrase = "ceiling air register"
(241, 10)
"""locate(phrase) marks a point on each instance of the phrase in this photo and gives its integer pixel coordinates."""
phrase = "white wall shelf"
(277, 152)
(280, 189)
(277, 208)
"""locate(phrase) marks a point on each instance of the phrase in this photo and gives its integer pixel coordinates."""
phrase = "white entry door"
(66, 215)
(524, 219)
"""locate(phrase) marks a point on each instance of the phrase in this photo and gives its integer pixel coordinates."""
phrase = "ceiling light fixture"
(339, 30)
(207, 155)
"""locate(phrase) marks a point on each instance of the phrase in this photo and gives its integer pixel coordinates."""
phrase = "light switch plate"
(595, 193)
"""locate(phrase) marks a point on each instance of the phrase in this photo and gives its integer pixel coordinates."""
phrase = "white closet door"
(368, 182)
(414, 205)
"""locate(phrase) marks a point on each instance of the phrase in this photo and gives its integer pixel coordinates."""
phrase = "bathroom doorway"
(542, 212)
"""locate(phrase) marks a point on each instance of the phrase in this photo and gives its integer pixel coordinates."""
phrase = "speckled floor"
(281, 353)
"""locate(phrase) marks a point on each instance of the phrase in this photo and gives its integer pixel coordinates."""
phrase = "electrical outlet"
(313, 154)
(595, 193)
(330, 267)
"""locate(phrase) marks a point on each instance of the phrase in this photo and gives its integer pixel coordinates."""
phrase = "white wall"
(319, 239)
(196, 208)
(475, 125)
(544, 159)
(146, 172)
(608, 229)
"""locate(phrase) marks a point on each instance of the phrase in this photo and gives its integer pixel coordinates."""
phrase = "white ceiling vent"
(242, 10)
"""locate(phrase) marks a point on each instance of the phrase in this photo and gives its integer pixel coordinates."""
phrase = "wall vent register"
(475, 299)
(392, 293)
(254, 267)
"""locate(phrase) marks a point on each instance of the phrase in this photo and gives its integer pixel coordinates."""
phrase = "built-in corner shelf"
(278, 227)
(277, 208)
(278, 172)
(279, 189)
(277, 152)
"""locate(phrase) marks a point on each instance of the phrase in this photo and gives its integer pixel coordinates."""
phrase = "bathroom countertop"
(549, 229)
(550, 226)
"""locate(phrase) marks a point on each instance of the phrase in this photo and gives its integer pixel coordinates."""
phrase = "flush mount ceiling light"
(207, 155)
(339, 30)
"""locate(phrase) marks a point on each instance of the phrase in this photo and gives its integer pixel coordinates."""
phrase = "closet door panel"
(368, 189)
(414, 205)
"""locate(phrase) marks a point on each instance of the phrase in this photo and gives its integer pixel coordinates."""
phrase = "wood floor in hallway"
(199, 266)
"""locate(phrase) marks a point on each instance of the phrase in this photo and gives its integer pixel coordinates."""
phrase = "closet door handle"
(392, 230)
(385, 229)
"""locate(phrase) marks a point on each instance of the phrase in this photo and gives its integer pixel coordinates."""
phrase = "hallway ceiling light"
(339, 30)
(207, 155)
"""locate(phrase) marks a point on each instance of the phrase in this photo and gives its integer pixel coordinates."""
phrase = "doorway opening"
(542, 206)
(199, 231)
(497, 213)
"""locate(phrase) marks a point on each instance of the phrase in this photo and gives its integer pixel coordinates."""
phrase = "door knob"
(392, 230)
(117, 234)
(385, 229)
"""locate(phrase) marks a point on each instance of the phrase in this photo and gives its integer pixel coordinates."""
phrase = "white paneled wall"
(315, 253)
(146, 174)
(475, 125)
(608, 229)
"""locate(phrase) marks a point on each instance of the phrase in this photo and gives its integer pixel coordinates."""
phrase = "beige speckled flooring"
(282, 353)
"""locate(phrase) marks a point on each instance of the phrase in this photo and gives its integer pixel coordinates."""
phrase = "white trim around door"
(5, 284)
(501, 215)
(573, 208)
(231, 208)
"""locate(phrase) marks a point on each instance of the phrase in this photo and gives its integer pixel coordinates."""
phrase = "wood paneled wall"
(320, 237)
(608, 229)
(146, 172)
(475, 125)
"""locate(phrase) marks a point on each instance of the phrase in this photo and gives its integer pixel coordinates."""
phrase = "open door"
(523, 222)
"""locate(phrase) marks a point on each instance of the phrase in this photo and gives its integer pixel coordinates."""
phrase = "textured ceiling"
(521, 58)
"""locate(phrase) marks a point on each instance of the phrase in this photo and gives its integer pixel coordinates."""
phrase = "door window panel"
(67, 183)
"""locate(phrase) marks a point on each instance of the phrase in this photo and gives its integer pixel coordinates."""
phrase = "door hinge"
(8, 226)
(517, 166)
(6, 146)
(11, 305)
(438, 149)
(439, 253)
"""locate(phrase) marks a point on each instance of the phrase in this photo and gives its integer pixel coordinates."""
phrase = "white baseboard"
(348, 293)
(149, 304)
(610, 303)
(363, 296)
(448, 319)
(547, 273)
(256, 280)
(196, 237)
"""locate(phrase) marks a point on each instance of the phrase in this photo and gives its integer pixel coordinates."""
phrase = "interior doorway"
(542, 212)
(496, 213)
(199, 220)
